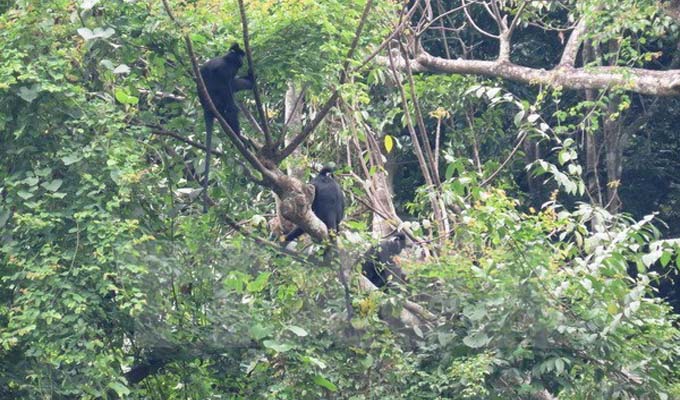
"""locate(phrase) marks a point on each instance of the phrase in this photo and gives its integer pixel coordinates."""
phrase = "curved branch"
(506, 161)
(573, 45)
(474, 24)
(515, 20)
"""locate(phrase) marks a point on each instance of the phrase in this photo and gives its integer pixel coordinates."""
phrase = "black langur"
(219, 76)
(328, 204)
(379, 266)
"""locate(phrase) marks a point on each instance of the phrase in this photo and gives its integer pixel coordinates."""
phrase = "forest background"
(528, 149)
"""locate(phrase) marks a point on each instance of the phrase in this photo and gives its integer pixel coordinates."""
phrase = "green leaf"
(559, 366)
(323, 382)
(277, 346)
(475, 312)
(25, 195)
(29, 94)
(43, 171)
(259, 283)
(389, 143)
(259, 331)
(476, 340)
(650, 258)
(518, 118)
(367, 362)
(122, 69)
(612, 308)
(665, 258)
(450, 169)
(72, 159)
(97, 33)
(4, 217)
(493, 92)
(297, 330)
(563, 157)
(315, 361)
(124, 98)
(119, 388)
(52, 186)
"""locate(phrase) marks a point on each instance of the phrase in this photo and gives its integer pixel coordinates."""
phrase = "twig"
(506, 161)
(238, 228)
(162, 132)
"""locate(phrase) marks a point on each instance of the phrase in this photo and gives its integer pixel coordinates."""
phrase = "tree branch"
(474, 24)
(573, 44)
(644, 81)
(162, 132)
(251, 67)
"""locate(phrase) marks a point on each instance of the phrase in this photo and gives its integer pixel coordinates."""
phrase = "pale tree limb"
(474, 24)
(573, 45)
(404, 20)
(565, 75)
(639, 80)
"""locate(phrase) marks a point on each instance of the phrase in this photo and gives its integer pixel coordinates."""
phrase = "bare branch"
(474, 24)
(573, 44)
(251, 67)
(274, 246)
(296, 105)
(162, 132)
(644, 81)
(440, 16)
(253, 122)
(515, 20)
(500, 19)
(506, 161)
(404, 19)
(308, 129)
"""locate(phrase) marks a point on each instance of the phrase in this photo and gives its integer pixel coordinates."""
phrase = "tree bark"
(643, 81)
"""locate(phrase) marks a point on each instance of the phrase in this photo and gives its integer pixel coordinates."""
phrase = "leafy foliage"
(113, 285)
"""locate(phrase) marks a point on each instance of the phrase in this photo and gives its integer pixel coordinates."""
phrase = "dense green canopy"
(528, 149)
